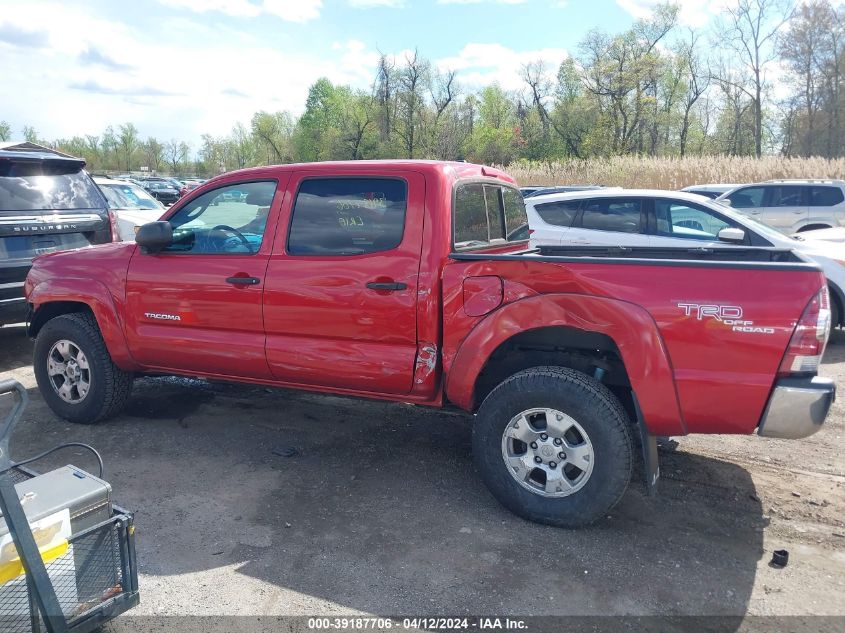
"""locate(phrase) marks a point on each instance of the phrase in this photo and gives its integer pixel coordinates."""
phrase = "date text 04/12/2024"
(426, 623)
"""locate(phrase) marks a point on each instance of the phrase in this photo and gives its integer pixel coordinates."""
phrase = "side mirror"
(154, 236)
(725, 201)
(732, 235)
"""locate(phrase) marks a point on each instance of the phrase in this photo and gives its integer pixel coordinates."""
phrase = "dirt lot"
(379, 511)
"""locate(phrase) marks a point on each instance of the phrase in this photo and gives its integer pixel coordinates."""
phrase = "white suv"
(791, 206)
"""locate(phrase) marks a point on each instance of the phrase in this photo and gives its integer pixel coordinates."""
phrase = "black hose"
(59, 447)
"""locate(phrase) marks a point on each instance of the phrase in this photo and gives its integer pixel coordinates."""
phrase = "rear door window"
(558, 213)
(612, 214)
(485, 212)
(786, 196)
(348, 216)
(825, 196)
(516, 218)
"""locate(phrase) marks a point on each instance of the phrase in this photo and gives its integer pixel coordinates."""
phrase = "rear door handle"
(386, 285)
(243, 281)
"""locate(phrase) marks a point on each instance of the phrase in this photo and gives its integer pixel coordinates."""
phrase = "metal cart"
(77, 592)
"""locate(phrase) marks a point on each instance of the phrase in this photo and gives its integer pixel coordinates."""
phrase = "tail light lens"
(115, 231)
(809, 340)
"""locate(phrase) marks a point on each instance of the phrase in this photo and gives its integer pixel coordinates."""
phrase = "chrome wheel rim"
(547, 452)
(68, 371)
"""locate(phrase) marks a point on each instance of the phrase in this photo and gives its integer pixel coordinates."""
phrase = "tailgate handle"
(243, 281)
(386, 285)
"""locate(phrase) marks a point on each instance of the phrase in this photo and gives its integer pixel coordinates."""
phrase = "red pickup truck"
(413, 281)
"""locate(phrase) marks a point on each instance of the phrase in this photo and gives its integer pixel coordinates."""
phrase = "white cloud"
(289, 10)
(695, 13)
(482, 64)
(369, 4)
(481, 1)
(239, 8)
(294, 10)
(87, 72)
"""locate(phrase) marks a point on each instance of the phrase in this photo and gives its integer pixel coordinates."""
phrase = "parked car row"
(167, 190)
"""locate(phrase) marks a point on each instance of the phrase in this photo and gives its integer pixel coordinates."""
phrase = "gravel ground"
(379, 511)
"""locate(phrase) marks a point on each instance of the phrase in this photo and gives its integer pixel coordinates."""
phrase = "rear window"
(30, 187)
(348, 216)
(825, 196)
(484, 213)
(558, 213)
(612, 214)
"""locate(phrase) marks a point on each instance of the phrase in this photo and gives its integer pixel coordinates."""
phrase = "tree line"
(656, 89)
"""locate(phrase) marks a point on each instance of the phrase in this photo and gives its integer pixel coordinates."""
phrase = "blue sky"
(181, 68)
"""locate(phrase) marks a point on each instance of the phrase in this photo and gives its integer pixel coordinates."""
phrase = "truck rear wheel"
(554, 446)
(75, 374)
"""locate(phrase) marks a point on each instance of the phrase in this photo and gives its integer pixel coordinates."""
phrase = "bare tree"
(413, 78)
(750, 28)
(697, 83)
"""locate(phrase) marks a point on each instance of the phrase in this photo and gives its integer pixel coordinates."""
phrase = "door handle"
(386, 285)
(243, 281)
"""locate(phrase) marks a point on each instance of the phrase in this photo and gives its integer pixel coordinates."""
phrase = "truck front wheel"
(554, 446)
(75, 374)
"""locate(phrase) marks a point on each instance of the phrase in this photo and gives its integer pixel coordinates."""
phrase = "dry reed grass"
(673, 173)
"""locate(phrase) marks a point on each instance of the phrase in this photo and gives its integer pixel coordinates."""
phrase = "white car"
(638, 217)
(827, 235)
(710, 190)
(791, 206)
(132, 205)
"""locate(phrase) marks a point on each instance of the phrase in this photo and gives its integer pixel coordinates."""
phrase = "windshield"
(29, 187)
(127, 196)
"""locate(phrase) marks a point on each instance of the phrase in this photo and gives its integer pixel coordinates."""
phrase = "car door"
(550, 221)
(785, 207)
(678, 223)
(609, 221)
(197, 305)
(340, 302)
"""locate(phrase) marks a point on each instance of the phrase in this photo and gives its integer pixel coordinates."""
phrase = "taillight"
(115, 231)
(807, 344)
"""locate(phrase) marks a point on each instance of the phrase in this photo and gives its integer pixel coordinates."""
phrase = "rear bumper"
(797, 407)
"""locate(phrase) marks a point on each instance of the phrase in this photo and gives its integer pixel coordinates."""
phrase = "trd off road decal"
(729, 315)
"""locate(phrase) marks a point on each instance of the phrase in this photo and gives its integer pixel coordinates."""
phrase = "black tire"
(109, 385)
(594, 408)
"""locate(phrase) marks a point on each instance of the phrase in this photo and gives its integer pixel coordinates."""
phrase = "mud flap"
(648, 443)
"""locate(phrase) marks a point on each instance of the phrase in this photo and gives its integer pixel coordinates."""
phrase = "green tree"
(127, 144)
(5, 131)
